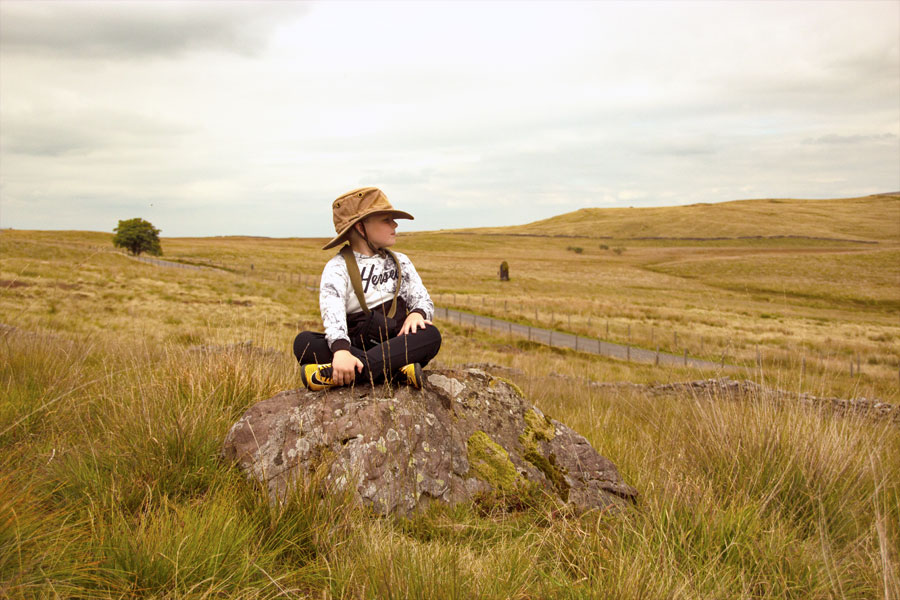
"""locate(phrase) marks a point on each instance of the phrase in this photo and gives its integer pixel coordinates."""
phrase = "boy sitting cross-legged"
(376, 311)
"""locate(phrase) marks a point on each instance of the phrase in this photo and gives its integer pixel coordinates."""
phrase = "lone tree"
(136, 236)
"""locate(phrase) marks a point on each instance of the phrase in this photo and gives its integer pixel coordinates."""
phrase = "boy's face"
(382, 230)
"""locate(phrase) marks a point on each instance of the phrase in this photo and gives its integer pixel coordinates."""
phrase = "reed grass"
(111, 486)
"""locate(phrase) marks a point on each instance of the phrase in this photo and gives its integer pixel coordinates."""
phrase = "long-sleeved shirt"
(379, 281)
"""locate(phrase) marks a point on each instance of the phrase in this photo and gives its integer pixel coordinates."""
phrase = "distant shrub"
(137, 236)
(618, 249)
(604, 247)
(576, 249)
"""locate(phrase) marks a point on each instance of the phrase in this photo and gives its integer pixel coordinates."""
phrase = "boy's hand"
(413, 320)
(343, 365)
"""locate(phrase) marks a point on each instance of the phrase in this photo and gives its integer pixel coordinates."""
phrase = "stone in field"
(465, 433)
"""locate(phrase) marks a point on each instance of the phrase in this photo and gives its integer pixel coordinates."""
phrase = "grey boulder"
(465, 433)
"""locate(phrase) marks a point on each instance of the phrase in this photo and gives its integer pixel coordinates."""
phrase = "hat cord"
(365, 237)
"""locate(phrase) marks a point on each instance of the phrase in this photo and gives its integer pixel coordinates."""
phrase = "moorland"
(120, 378)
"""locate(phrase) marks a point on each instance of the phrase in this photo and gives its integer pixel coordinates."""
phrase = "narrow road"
(535, 334)
(575, 342)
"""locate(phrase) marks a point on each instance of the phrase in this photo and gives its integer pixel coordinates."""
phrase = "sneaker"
(317, 377)
(411, 375)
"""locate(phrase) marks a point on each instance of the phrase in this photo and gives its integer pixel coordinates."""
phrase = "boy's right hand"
(343, 365)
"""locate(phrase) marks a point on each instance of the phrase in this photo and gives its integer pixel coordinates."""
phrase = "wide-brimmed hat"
(355, 206)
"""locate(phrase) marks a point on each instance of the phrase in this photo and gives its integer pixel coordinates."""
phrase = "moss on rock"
(515, 388)
(491, 462)
(539, 428)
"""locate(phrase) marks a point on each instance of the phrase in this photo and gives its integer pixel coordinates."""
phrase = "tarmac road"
(575, 342)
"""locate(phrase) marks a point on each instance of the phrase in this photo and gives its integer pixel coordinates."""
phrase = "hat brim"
(340, 237)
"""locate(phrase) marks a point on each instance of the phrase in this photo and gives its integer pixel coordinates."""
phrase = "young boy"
(376, 311)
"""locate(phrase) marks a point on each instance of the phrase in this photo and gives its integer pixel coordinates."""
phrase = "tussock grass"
(113, 407)
(750, 498)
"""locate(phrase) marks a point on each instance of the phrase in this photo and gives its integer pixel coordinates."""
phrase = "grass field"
(119, 380)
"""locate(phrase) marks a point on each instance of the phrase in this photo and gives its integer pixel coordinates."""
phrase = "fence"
(583, 331)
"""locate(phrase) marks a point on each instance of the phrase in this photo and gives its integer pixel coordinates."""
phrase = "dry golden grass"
(110, 423)
(871, 218)
(794, 301)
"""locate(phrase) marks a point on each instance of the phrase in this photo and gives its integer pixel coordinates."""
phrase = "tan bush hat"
(355, 206)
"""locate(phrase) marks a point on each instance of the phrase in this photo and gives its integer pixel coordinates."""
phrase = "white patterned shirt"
(379, 281)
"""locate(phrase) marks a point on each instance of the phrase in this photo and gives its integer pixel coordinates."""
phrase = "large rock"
(465, 433)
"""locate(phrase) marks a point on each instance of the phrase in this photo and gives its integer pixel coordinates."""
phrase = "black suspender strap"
(356, 279)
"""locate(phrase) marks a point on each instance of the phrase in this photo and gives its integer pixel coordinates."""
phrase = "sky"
(249, 118)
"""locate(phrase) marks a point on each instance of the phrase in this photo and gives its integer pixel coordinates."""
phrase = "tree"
(136, 236)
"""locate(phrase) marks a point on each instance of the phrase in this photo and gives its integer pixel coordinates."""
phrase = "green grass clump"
(113, 410)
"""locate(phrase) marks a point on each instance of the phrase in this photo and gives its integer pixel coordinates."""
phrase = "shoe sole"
(417, 376)
(303, 377)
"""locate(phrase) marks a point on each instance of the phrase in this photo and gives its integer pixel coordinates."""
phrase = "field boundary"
(631, 347)
(573, 341)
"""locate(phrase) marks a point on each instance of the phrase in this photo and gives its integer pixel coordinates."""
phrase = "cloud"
(834, 138)
(83, 132)
(130, 30)
(236, 117)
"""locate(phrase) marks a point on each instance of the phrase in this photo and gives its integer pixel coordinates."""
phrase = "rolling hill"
(869, 218)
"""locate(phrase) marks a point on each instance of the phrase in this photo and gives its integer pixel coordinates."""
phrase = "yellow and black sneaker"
(317, 377)
(411, 375)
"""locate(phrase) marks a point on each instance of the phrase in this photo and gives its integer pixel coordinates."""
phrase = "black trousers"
(380, 361)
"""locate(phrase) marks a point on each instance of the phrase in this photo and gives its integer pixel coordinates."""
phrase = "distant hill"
(869, 218)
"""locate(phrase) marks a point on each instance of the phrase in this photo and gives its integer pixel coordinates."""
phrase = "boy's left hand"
(414, 321)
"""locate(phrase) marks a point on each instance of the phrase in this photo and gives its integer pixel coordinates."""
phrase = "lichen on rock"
(498, 379)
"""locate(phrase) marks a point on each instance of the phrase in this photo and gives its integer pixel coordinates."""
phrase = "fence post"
(529, 333)
(551, 338)
(510, 330)
(657, 356)
(576, 342)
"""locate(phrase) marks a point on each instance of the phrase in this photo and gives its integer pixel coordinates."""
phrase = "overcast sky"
(219, 118)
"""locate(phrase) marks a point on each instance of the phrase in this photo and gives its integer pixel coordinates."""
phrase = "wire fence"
(582, 330)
